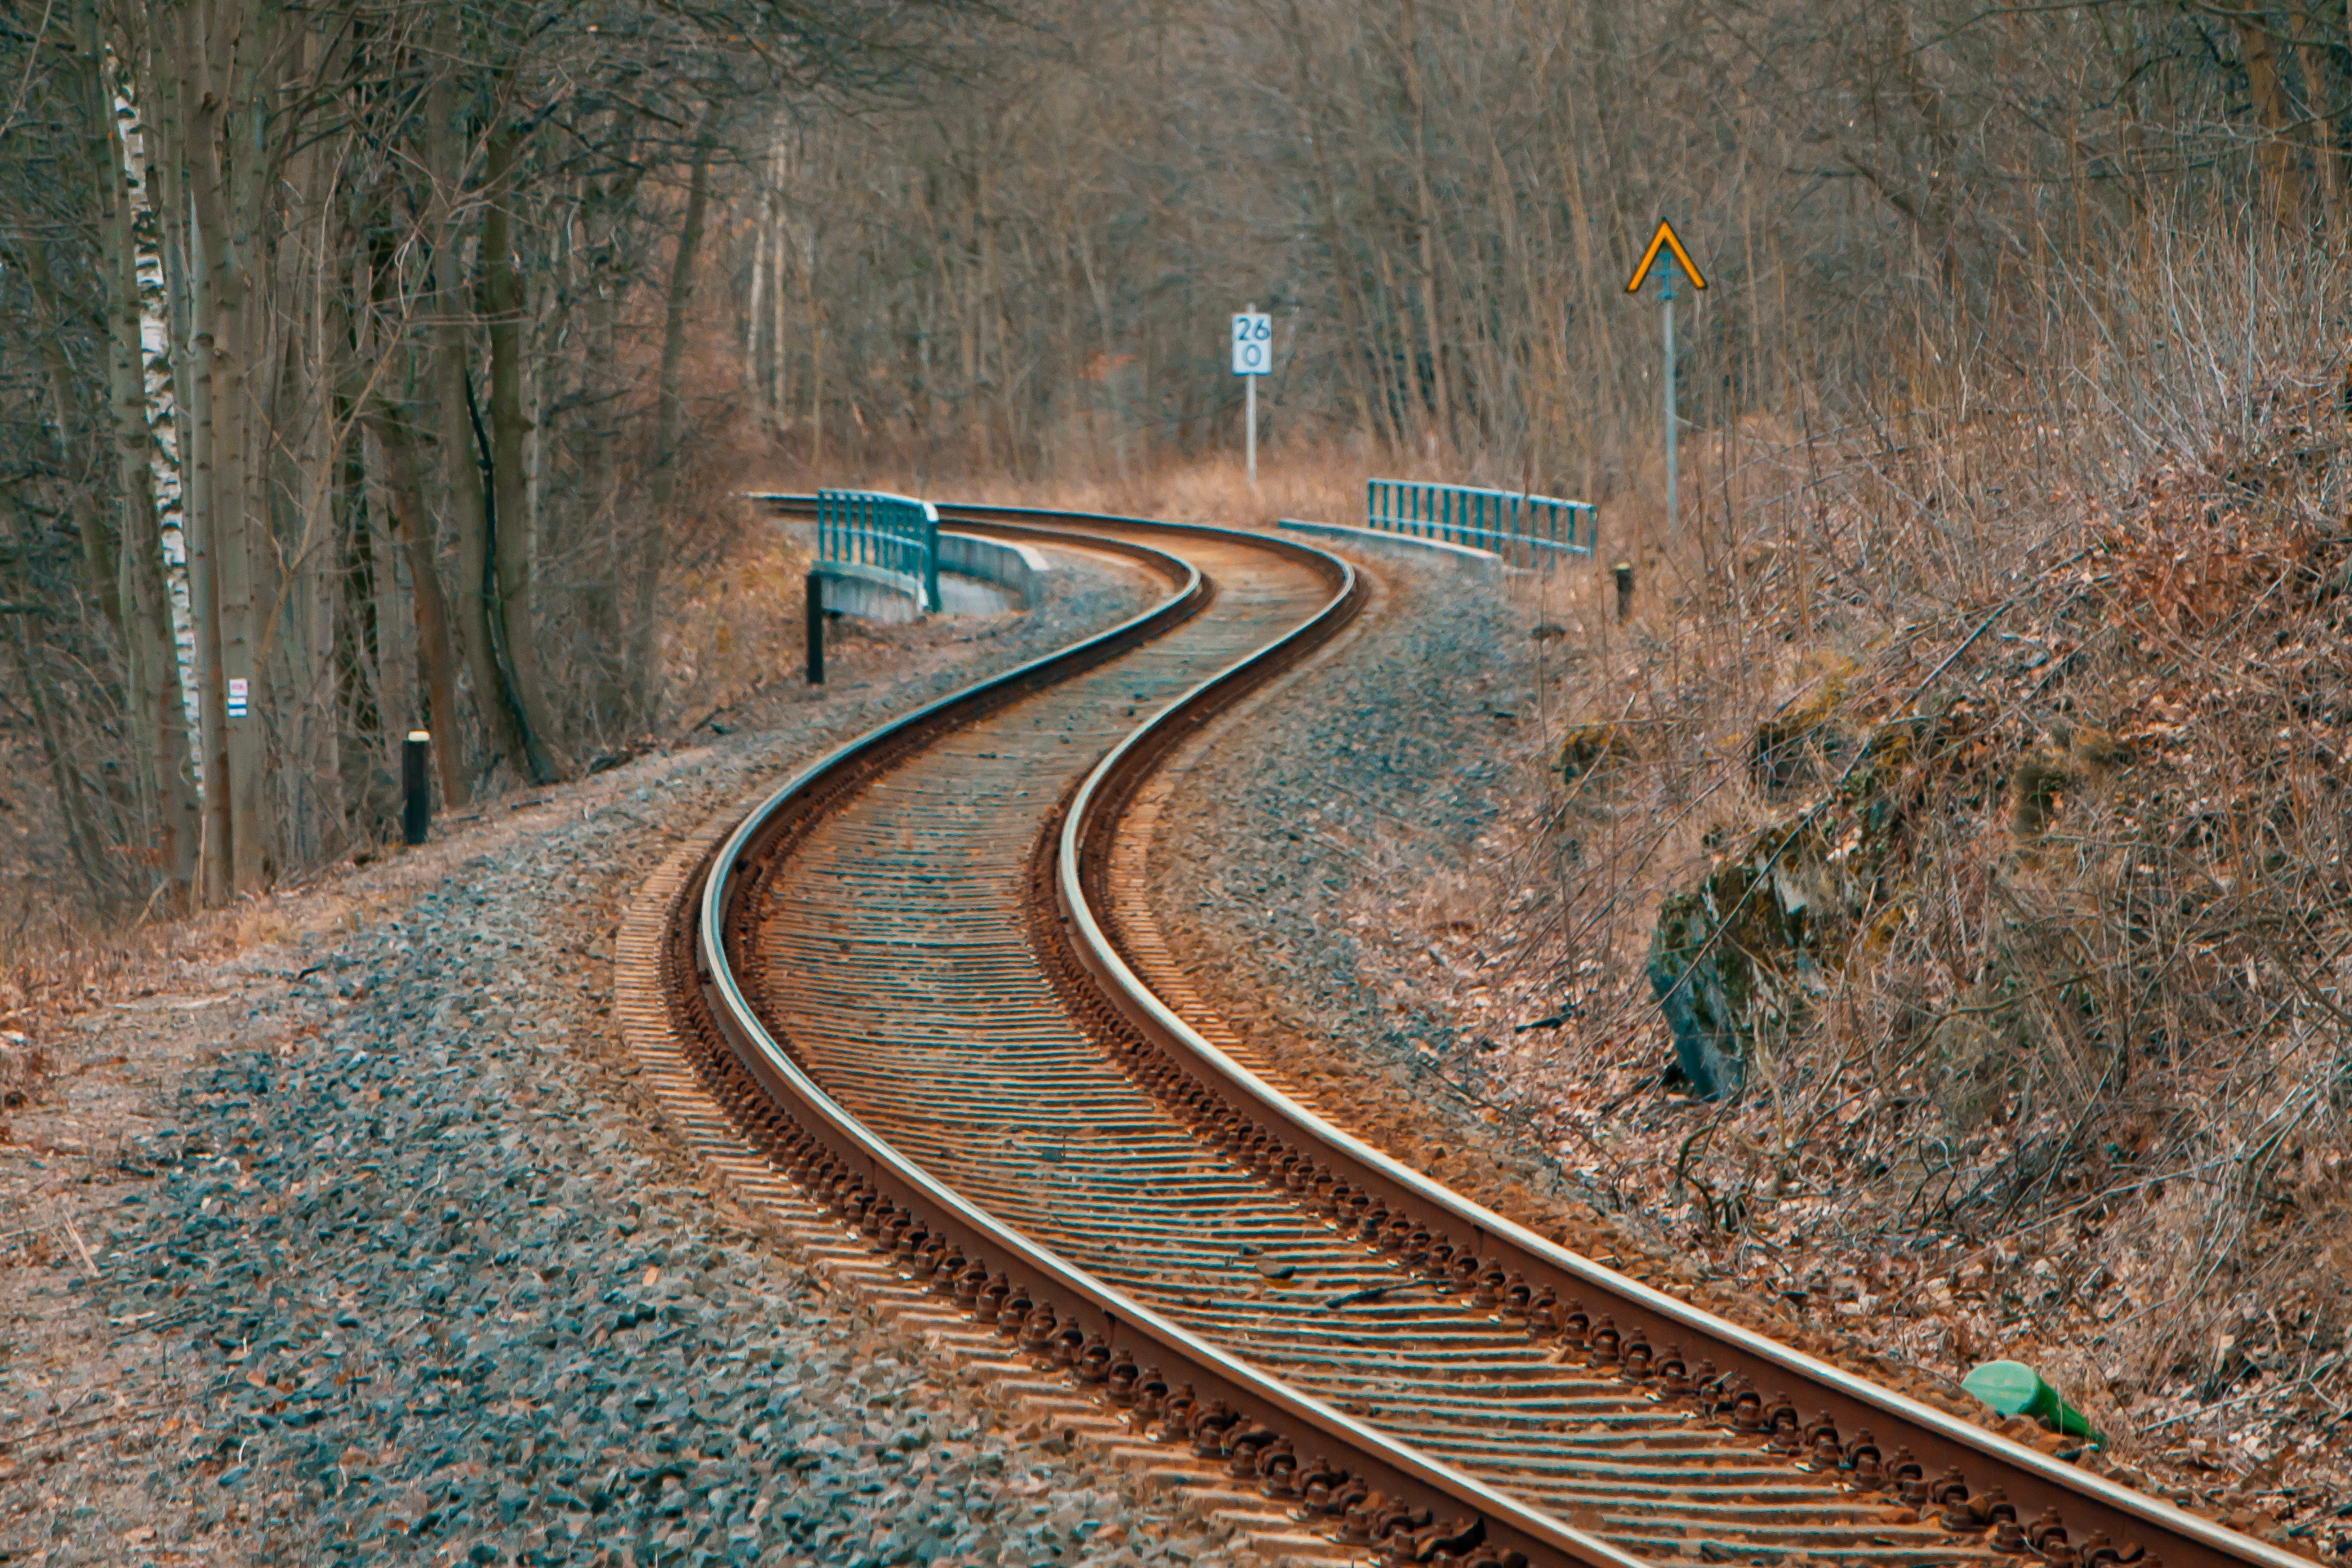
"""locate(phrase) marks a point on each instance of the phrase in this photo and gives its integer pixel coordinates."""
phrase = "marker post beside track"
(815, 614)
(415, 787)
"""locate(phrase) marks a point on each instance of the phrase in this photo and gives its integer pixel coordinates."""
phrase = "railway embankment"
(378, 1256)
(1451, 948)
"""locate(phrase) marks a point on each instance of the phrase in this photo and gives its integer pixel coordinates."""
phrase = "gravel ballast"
(402, 1272)
(1364, 785)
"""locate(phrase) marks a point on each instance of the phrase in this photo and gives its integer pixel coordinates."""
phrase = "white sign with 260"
(1253, 342)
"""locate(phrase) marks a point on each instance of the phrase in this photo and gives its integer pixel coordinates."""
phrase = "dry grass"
(736, 626)
(52, 970)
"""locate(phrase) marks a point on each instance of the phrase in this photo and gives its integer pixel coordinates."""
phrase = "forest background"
(366, 367)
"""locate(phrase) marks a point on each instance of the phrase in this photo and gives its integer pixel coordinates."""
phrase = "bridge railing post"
(1524, 529)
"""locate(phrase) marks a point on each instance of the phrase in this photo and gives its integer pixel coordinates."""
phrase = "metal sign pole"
(1252, 346)
(1666, 298)
(1665, 249)
(1249, 399)
(1249, 416)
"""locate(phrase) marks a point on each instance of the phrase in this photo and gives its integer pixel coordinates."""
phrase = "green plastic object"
(2014, 1388)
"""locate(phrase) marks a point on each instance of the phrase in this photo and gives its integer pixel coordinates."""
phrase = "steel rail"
(1117, 1320)
(1119, 1324)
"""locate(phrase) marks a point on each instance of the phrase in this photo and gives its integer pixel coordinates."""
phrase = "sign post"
(1252, 357)
(1666, 239)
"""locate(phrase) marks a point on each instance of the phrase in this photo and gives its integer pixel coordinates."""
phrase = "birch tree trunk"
(816, 354)
(181, 76)
(756, 310)
(169, 378)
(155, 699)
(779, 386)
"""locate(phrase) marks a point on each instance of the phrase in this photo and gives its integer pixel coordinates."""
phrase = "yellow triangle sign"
(1666, 239)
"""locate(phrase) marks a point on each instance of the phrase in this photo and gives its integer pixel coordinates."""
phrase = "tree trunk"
(816, 362)
(2274, 153)
(391, 663)
(163, 190)
(503, 303)
(312, 823)
(669, 420)
(159, 725)
(779, 398)
(599, 433)
(461, 474)
(215, 120)
(200, 467)
(755, 358)
(404, 490)
(307, 408)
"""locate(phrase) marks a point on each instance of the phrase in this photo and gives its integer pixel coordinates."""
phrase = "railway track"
(906, 974)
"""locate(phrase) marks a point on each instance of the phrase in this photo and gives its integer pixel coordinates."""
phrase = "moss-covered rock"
(1710, 987)
(1741, 955)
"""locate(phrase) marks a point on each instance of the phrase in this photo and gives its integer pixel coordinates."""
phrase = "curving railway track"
(910, 975)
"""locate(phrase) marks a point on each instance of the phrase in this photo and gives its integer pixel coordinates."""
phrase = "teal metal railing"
(893, 535)
(1524, 529)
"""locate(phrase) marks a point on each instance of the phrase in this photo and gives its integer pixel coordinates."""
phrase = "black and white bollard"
(1624, 589)
(816, 629)
(416, 786)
